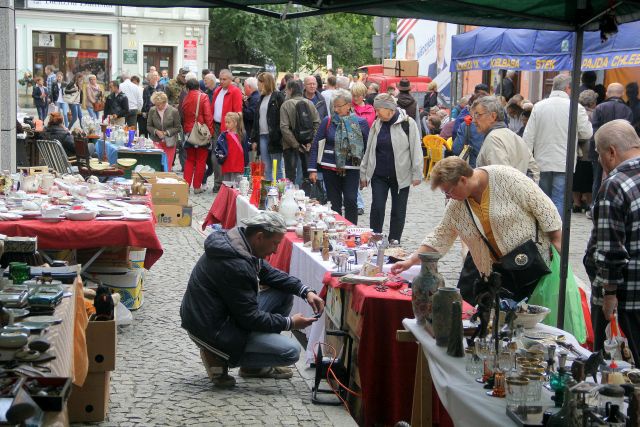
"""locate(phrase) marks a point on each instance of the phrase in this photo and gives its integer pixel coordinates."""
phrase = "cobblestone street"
(159, 379)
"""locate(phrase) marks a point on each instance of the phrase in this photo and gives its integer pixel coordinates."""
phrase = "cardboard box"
(101, 345)
(33, 170)
(400, 67)
(167, 194)
(90, 402)
(129, 283)
(354, 321)
(173, 215)
(337, 301)
(114, 256)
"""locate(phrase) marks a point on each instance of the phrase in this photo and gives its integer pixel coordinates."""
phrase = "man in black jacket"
(612, 109)
(116, 107)
(236, 304)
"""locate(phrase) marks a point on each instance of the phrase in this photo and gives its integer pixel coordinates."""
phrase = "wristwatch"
(304, 295)
(606, 292)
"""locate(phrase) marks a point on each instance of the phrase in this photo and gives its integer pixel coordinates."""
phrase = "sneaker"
(275, 372)
(198, 190)
(360, 211)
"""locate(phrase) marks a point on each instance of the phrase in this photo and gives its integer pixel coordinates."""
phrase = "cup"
(362, 256)
(132, 135)
(46, 181)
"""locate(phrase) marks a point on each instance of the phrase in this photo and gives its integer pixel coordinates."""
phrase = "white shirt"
(328, 96)
(548, 129)
(133, 93)
(217, 107)
(60, 92)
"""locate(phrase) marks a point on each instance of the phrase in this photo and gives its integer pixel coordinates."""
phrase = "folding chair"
(54, 156)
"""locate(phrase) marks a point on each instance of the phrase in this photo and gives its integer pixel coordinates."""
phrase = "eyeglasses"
(340, 106)
(448, 192)
(476, 115)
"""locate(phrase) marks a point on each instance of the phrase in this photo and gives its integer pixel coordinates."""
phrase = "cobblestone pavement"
(159, 378)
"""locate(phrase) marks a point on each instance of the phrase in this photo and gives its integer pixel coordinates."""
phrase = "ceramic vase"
(288, 208)
(424, 285)
(443, 301)
(455, 345)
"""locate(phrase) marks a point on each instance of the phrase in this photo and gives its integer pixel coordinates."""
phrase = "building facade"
(106, 40)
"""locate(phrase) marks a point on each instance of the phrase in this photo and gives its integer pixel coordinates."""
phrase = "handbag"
(200, 134)
(521, 268)
(99, 104)
(169, 141)
(72, 98)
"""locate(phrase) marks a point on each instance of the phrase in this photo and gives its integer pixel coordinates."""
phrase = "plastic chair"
(54, 156)
(435, 150)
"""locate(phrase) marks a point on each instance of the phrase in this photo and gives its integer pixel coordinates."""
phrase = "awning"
(538, 14)
(532, 50)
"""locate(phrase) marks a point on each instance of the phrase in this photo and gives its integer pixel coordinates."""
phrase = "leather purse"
(521, 268)
(200, 134)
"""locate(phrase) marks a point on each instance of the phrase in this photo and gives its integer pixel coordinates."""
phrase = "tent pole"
(571, 151)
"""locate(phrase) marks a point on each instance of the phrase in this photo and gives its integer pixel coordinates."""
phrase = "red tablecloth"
(223, 209)
(89, 234)
(387, 367)
(282, 258)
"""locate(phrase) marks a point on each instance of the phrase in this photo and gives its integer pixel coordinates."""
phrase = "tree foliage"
(258, 39)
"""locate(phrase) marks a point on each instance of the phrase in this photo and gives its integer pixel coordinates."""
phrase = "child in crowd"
(233, 165)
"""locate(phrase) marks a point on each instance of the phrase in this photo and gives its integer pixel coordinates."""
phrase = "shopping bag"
(546, 295)
(51, 108)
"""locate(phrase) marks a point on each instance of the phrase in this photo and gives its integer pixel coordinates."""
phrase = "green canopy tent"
(573, 15)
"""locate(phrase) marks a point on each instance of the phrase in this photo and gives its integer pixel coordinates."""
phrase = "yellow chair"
(435, 151)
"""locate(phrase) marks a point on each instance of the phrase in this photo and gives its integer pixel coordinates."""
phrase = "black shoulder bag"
(521, 268)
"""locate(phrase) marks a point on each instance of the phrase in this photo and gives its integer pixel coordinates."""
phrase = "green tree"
(258, 39)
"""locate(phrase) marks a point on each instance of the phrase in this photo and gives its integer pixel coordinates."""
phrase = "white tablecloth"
(244, 209)
(466, 400)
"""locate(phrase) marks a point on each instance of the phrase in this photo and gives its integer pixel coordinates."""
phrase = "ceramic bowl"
(16, 329)
(80, 215)
(13, 339)
(530, 320)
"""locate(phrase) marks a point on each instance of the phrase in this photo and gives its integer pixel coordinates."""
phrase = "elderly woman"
(94, 94)
(266, 137)
(360, 107)
(337, 150)
(56, 130)
(194, 102)
(583, 175)
(508, 209)
(431, 97)
(392, 162)
(164, 126)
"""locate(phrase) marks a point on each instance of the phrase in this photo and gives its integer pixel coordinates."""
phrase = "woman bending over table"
(164, 126)
(506, 205)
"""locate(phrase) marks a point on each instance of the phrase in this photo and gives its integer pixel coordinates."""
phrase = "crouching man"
(236, 304)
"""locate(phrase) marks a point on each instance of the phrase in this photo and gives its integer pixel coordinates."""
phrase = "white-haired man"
(250, 106)
(612, 259)
(133, 92)
(226, 98)
(546, 135)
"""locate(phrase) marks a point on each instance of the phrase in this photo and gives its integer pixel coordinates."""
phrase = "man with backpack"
(299, 122)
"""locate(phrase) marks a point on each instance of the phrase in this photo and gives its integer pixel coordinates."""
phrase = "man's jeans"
(552, 183)
(269, 349)
(63, 107)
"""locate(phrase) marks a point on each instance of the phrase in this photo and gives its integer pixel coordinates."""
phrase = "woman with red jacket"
(196, 155)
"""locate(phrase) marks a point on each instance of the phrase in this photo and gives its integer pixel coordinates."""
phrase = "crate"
(90, 402)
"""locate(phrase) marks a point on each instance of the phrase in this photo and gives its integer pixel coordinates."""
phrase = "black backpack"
(303, 130)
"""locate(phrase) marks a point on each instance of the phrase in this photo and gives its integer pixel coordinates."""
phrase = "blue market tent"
(538, 50)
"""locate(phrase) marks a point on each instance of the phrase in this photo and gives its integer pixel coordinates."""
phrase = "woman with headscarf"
(392, 162)
(337, 150)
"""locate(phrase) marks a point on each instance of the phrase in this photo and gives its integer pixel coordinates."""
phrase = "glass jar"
(517, 393)
(534, 389)
(473, 364)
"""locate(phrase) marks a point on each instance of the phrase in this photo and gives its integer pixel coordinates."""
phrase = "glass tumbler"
(534, 389)
(517, 392)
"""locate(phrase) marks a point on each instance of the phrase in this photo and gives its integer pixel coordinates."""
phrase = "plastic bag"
(123, 315)
(546, 295)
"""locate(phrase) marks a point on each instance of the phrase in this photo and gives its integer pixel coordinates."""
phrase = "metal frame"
(54, 156)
